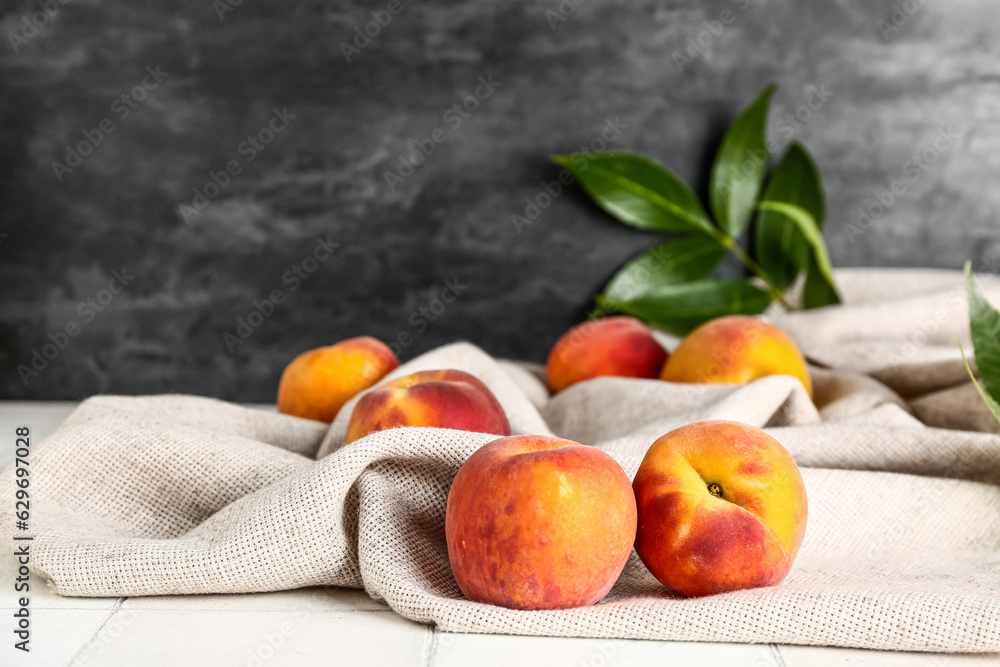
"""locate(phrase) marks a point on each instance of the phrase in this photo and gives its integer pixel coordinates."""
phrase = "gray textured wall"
(889, 88)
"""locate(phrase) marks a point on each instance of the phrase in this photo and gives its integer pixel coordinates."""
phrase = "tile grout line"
(114, 610)
(432, 649)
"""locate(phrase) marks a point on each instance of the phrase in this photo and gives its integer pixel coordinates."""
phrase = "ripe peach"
(736, 349)
(442, 399)
(317, 383)
(536, 522)
(619, 345)
(721, 507)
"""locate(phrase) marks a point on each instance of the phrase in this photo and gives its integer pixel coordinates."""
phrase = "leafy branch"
(669, 285)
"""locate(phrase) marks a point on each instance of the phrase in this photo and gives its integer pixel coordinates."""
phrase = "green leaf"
(638, 191)
(681, 307)
(987, 399)
(826, 287)
(818, 290)
(782, 251)
(984, 323)
(739, 167)
(677, 261)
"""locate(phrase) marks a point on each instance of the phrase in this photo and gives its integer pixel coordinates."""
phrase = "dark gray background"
(890, 92)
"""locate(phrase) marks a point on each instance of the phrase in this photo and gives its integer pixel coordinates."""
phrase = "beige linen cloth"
(179, 494)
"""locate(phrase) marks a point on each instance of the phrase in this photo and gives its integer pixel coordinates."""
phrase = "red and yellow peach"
(721, 507)
(536, 522)
(736, 349)
(317, 383)
(441, 399)
(618, 346)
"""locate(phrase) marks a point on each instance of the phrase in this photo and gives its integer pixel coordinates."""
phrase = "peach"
(317, 383)
(721, 507)
(536, 522)
(736, 349)
(620, 345)
(442, 399)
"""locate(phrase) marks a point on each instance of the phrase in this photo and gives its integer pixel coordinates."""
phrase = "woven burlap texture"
(178, 494)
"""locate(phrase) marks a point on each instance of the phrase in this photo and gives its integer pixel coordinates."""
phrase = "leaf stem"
(730, 244)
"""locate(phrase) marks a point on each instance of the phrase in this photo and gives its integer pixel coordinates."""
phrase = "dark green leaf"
(638, 191)
(818, 291)
(782, 251)
(681, 307)
(987, 399)
(739, 167)
(677, 261)
(806, 225)
(984, 323)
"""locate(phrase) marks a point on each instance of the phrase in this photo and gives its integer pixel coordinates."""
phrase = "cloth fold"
(179, 494)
